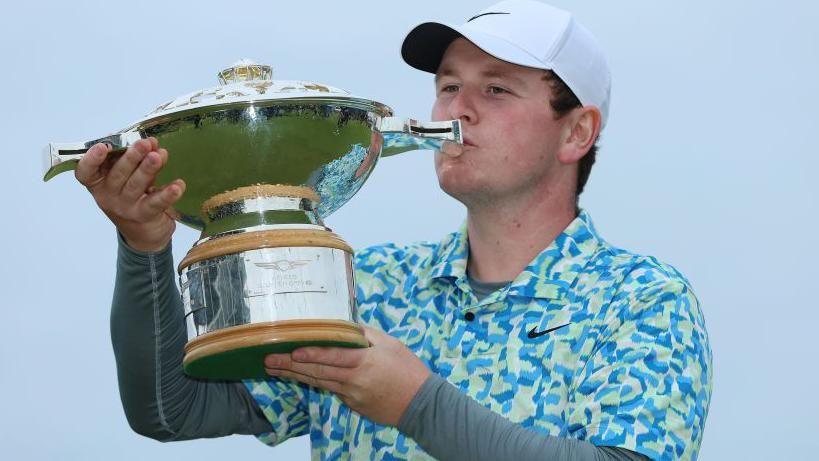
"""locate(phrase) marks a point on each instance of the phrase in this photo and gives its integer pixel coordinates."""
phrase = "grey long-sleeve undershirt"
(161, 402)
(149, 334)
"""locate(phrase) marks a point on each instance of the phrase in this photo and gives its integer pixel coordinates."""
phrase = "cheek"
(513, 132)
(537, 133)
(438, 113)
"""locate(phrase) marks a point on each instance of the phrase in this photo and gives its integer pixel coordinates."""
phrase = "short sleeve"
(284, 404)
(647, 386)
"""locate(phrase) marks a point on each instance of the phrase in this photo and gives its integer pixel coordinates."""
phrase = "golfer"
(522, 335)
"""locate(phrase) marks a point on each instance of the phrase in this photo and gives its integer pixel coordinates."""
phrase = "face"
(510, 130)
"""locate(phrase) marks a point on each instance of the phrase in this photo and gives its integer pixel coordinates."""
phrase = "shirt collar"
(548, 276)
(451, 261)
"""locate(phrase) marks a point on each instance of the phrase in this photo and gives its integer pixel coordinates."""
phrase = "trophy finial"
(245, 70)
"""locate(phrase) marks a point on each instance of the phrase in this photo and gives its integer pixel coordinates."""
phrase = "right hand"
(124, 191)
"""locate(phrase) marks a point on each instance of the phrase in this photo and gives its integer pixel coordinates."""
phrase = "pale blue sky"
(708, 162)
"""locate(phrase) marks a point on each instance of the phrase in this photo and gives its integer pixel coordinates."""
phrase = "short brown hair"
(564, 101)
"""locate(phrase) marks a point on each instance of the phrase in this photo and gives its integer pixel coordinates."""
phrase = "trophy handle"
(402, 135)
(59, 157)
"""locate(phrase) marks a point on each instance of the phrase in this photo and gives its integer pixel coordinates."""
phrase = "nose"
(461, 107)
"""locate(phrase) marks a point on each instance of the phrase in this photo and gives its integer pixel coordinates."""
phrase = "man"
(523, 335)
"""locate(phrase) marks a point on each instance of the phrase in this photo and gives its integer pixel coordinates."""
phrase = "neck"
(506, 235)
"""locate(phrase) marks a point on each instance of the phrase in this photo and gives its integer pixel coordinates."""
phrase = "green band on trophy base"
(238, 352)
(248, 363)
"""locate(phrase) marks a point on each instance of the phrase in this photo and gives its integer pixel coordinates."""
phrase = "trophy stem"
(258, 207)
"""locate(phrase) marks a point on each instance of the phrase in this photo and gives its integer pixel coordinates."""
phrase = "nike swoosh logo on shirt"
(536, 334)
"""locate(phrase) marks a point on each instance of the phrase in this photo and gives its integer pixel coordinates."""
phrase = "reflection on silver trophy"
(264, 162)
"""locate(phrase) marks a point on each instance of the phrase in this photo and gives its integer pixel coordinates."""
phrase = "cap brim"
(425, 45)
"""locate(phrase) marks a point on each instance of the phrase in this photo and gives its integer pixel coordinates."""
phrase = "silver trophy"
(264, 162)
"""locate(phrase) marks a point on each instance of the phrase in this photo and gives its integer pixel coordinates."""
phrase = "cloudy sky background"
(708, 162)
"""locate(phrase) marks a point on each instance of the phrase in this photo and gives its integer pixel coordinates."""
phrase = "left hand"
(378, 382)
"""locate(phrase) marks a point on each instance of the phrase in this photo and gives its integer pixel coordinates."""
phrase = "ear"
(582, 130)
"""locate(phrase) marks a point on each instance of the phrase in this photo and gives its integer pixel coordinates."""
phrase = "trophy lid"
(246, 81)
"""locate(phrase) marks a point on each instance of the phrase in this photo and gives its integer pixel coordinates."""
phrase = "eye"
(449, 88)
(496, 90)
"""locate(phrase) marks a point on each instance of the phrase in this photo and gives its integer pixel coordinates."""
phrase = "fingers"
(332, 386)
(163, 154)
(332, 356)
(159, 199)
(88, 169)
(145, 174)
(330, 368)
(312, 373)
(127, 164)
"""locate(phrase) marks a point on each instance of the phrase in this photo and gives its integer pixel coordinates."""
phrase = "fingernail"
(272, 361)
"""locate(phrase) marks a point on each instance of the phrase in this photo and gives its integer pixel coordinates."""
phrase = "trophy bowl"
(264, 163)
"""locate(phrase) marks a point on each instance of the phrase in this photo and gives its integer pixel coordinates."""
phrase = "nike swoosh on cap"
(484, 14)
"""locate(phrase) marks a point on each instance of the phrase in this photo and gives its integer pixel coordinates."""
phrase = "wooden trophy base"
(238, 352)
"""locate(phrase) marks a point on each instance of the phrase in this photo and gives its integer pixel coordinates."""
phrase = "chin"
(460, 188)
(459, 178)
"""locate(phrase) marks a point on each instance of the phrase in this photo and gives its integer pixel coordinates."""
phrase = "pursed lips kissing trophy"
(264, 162)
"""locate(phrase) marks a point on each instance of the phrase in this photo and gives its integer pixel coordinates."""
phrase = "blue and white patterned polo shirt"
(630, 368)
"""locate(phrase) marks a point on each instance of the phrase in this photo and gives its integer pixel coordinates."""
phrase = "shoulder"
(381, 268)
(653, 332)
(635, 276)
(390, 278)
(653, 304)
(416, 257)
(392, 254)
(640, 291)
(650, 284)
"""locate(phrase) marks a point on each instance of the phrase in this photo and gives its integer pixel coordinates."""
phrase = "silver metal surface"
(245, 70)
(330, 148)
(268, 285)
(259, 204)
(402, 135)
(254, 131)
(263, 227)
(59, 157)
(251, 213)
(449, 130)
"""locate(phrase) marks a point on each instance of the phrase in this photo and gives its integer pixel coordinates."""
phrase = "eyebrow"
(488, 73)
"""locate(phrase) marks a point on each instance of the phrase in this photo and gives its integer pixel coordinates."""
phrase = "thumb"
(451, 149)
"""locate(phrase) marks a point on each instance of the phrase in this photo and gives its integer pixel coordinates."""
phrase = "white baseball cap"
(527, 33)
